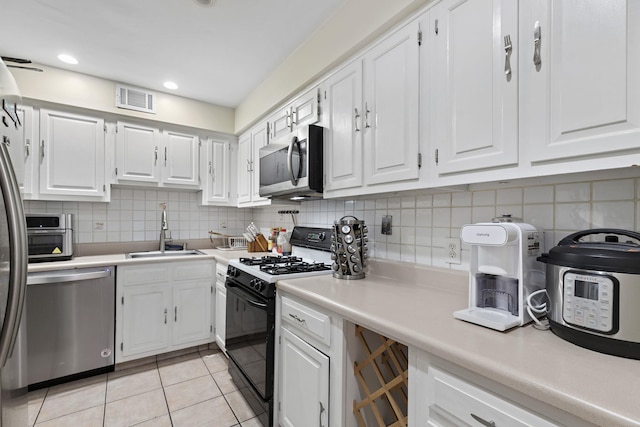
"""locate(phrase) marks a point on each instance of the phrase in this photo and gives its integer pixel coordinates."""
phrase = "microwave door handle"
(294, 178)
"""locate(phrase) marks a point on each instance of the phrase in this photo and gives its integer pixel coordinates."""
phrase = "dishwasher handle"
(68, 276)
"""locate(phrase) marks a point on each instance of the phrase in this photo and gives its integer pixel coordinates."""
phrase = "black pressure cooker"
(593, 286)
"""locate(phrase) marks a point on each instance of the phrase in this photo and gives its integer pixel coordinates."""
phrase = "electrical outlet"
(453, 251)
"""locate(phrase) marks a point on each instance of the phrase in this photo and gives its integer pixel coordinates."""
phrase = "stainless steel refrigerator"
(13, 277)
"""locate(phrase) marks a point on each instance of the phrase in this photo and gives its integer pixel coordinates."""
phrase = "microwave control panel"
(588, 301)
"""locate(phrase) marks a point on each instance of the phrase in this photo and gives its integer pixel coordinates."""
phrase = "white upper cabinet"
(215, 169)
(391, 108)
(343, 133)
(146, 155)
(248, 181)
(583, 99)
(474, 85)
(72, 156)
(137, 153)
(23, 149)
(180, 159)
(303, 110)
(372, 140)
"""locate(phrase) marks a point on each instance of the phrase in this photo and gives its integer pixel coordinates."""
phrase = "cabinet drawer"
(193, 270)
(137, 275)
(453, 401)
(313, 323)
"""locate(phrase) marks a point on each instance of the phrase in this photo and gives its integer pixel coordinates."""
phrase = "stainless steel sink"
(158, 254)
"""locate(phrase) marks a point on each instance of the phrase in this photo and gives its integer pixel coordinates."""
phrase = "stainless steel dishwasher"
(70, 324)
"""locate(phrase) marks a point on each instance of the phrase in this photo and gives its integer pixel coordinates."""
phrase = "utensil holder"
(349, 248)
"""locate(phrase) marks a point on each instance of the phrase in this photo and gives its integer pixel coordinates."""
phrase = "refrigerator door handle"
(18, 259)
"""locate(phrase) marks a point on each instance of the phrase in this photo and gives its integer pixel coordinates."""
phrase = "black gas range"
(250, 317)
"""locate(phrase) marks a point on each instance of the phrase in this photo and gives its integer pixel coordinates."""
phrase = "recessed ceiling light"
(170, 85)
(67, 58)
(205, 3)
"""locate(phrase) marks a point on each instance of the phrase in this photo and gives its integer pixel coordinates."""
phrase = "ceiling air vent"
(135, 99)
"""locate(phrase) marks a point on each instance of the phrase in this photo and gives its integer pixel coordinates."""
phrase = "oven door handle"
(244, 295)
(296, 177)
(257, 304)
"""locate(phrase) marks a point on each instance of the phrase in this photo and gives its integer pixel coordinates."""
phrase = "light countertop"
(222, 256)
(416, 308)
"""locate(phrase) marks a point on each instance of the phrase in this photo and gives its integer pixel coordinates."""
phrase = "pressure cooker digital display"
(588, 301)
(588, 290)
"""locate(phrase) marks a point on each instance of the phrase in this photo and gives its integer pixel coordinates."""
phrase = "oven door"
(284, 166)
(250, 336)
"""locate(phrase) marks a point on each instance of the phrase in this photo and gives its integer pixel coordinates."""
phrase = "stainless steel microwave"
(50, 237)
(292, 167)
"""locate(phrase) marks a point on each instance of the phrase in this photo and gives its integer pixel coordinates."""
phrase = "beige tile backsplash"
(422, 221)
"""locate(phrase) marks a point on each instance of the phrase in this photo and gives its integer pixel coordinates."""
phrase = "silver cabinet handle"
(42, 148)
(508, 48)
(321, 412)
(165, 316)
(294, 316)
(289, 121)
(355, 119)
(366, 116)
(165, 156)
(483, 421)
(248, 166)
(175, 313)
(210, 168)
(27, 148)
(537, 37)
(155, 152)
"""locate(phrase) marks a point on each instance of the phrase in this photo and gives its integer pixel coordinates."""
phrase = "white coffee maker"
(503, 272)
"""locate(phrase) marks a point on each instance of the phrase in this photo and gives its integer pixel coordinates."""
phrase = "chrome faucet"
(164, 226)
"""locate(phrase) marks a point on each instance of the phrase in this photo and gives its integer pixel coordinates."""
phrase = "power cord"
(537, 309)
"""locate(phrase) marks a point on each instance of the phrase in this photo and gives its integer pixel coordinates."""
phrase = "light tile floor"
(189, 390)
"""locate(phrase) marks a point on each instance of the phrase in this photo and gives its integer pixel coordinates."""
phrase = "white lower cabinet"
(163, 307)
(304, 383)
(221, 306)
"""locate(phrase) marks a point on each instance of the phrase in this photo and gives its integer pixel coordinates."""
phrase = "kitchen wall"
(134, 215)
(421, 220)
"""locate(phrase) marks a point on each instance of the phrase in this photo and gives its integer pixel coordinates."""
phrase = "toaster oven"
(50, 237)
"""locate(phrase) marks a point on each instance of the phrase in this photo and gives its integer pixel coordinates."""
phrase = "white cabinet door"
(391, 110)
(221, 314)
(137, 153)
(249, 145)
(245, 175)
(216, 155)
(180, 159)
(306, 109)
(146, 319)
(584, 97)
(22, 149)
(343, 135)
(303, 383)
(191, 311)
(72, 155)
(474, 102)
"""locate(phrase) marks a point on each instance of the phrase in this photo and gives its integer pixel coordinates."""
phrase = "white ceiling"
(215, 54)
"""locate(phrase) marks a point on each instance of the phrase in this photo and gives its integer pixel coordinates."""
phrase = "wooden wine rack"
(388, 362)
